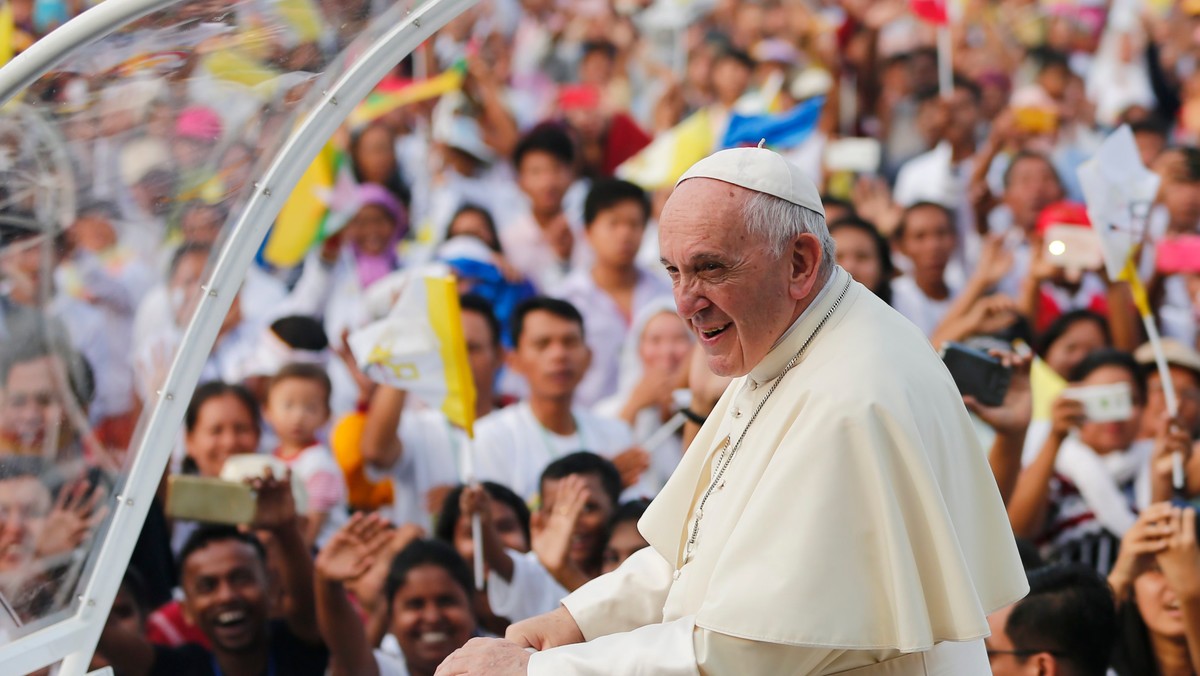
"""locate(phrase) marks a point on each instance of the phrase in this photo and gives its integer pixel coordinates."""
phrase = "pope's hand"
(553, 629)
(486, 657)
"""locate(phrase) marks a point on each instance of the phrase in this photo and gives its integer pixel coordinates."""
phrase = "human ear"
(805, 259)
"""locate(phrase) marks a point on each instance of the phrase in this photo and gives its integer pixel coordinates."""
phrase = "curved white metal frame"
(75, 638)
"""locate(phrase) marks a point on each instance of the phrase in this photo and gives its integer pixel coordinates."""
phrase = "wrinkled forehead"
(704, 211)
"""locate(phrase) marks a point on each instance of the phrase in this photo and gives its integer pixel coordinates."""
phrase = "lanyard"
(551, 449)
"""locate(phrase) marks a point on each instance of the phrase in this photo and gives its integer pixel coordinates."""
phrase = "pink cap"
(198, 122)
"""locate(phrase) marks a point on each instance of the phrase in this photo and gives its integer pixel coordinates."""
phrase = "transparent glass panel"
(137, 147)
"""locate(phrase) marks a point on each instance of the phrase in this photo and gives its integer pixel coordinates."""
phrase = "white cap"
(760, 170)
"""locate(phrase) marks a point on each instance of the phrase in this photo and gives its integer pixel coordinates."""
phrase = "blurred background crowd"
(529, 146)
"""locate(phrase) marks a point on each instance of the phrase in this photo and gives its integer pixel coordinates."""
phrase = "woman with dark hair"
(1157, 585)
(221, 420)
(505, 520)
(373, 158)
(1085, 487)
(472, 220)
(865, 254)
(1072, 337)
(428, 591)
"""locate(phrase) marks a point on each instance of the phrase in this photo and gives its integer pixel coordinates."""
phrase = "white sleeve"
(680, 648)
(631, 596)
(390, 665)
(532, 591)
(311, 293)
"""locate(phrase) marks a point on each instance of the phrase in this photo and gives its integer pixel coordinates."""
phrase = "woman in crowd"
(507, 516)
(428, 591)
(1083, 490)
(373, 158)
(222, 420)
(1157, 584)
(865, 254)
(652, 361)
(1070, 338)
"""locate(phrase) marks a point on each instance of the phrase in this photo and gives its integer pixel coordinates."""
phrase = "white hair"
(779, 222)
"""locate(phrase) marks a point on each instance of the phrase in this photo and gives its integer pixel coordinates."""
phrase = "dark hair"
(1134, 653)
(941, 208)
(1098, 359)
(313, 373)
(1031, 558)
(29, 341)
(186, 249)
(214, 389)
(582, 462)
(1191, 162)
(488, 221)
(1048, 58)
(887, 268)
(730, 52)
(933, 93)
(549, 138)
(1063, 323)
(589, 47)
(630, 510)
(607, 193)
(21, 466)
(103, 209)
(828, 200)
(301, 332)
(557, 307)
(470, 302)
(1070, 613)
(1025, 155)
(135, 584)
(199, 205)
(393, 184)
(427, 552)
(451, 510)
(207, 534)
(1153, 124)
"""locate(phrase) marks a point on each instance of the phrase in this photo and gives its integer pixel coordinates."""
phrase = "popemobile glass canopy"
(134, 121)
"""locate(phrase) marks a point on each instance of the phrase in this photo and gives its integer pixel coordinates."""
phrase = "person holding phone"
(1082, 492)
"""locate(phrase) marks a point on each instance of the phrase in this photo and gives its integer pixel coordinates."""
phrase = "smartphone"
(977, 373)
(1178, 255)
(855, 155)
(209, 500)
(1104, 403)
(1073, 247)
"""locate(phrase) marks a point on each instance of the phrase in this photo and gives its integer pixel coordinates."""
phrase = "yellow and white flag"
(671, 153)
(419, 346)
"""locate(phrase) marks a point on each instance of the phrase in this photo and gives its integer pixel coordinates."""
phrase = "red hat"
(1063, 213)
(575, 97)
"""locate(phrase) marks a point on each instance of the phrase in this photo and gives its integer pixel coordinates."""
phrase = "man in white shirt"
(514, 445)
(856, 526)
(611, 291)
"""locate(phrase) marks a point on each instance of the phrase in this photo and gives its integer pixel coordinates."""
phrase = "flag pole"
(945, 65)
(468, 478)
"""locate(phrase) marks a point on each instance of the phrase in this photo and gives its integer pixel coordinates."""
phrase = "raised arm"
(349, 555)
(276, 513)
(381, 445)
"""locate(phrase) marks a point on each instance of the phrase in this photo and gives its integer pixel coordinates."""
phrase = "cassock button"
(737, 412)
(753, 385)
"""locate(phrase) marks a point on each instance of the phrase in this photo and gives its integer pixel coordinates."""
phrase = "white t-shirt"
(324, 484)
(910, 301)
(390, 665)
(531, 592)
(430, 458)
(512, 448)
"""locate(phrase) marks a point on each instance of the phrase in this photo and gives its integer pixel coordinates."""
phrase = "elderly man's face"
(735, 294)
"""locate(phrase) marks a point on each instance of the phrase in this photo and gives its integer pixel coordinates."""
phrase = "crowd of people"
(944, 201)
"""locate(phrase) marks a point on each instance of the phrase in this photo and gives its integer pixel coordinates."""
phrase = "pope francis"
(835, 514)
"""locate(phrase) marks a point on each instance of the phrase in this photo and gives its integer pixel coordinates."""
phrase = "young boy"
(542, 243)
(298, 406)
(615, 288)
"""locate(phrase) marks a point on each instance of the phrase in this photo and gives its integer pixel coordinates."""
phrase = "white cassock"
(857, 529)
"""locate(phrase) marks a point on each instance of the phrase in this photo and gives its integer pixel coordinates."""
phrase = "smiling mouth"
(230, 618)
(434, 637)
(709, 334)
